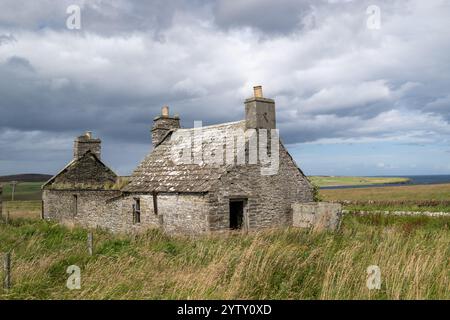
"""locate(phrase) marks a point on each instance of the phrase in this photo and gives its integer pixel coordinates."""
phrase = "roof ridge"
(214, 125)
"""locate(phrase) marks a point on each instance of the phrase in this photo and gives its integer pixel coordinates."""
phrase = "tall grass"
(412, 253)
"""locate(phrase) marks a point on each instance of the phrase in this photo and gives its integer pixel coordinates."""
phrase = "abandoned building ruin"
(188, 198)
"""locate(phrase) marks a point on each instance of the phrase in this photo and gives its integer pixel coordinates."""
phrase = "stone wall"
(161, 127)
(398, 213)
(177, 213)
(149, 219)
(317, 215)
(84, 144)
(268, 197)
(260, 113)
(184, 213)
(268, 202)
(86, 208)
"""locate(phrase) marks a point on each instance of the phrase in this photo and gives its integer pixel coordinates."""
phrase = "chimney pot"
(257, 90)
(165, 111)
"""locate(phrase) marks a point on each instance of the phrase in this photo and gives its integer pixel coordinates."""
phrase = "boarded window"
(137, 211)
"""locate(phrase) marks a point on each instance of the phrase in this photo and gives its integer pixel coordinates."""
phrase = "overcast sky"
(351, 100)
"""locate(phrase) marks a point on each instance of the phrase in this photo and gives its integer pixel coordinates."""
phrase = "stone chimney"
(86, 143)
(162, 124)
(259, 111)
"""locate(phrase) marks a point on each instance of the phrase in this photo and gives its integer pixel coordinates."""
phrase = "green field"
(24, 191)
(332, 181)
(400, 198)
(412, 254)
(32, 190)
(397, 198)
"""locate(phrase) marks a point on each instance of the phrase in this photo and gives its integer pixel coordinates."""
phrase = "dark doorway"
(236, 214)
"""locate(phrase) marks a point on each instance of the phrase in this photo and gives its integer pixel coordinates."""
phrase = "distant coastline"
(373, 181)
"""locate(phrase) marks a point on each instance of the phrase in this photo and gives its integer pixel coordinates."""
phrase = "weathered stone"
(317, 215)
(85, 173)
(398, 213)
(86, 143)
(260, 113)
(162, 125)
(191, 197)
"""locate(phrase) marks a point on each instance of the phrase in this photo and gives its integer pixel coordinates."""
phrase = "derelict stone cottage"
(78, 193)
(227, 176)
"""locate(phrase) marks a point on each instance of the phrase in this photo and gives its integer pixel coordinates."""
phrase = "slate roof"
(159, 173)
(87, 172)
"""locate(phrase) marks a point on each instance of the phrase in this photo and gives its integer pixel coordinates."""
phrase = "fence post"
(13, 191)
(42, 210)
(90, 243)
(7, 271)
(1, 200)
(7, 217)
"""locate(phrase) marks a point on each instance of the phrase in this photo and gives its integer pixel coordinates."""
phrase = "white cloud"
(334, 80)
(341, 97)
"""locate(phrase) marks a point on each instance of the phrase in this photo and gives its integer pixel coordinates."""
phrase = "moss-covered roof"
(85, 173)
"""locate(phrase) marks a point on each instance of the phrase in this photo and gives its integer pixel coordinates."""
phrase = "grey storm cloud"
(273, 17)
(331, 77)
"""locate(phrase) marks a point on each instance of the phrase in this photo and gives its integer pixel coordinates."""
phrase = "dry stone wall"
(317, 215)
(268, 197)
(87, 208)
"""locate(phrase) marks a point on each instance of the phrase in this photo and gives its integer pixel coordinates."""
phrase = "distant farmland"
(334, 181)
(28, 177)
(25, 191)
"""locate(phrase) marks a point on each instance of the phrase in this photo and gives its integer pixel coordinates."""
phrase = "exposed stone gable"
(87, 172)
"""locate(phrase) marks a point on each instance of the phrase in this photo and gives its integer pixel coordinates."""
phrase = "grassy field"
(412, 253)
(23, 209)
(24, 191)
(332, 181)
(28, 199)
(412, 198)
(404, 198)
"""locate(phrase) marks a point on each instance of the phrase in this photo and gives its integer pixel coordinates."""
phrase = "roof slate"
(159, 173)
(87, 172)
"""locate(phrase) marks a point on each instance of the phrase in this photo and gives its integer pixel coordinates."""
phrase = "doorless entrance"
(236, 214)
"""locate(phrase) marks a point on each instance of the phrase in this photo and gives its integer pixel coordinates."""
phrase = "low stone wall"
(399, 213)
(317, 215)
